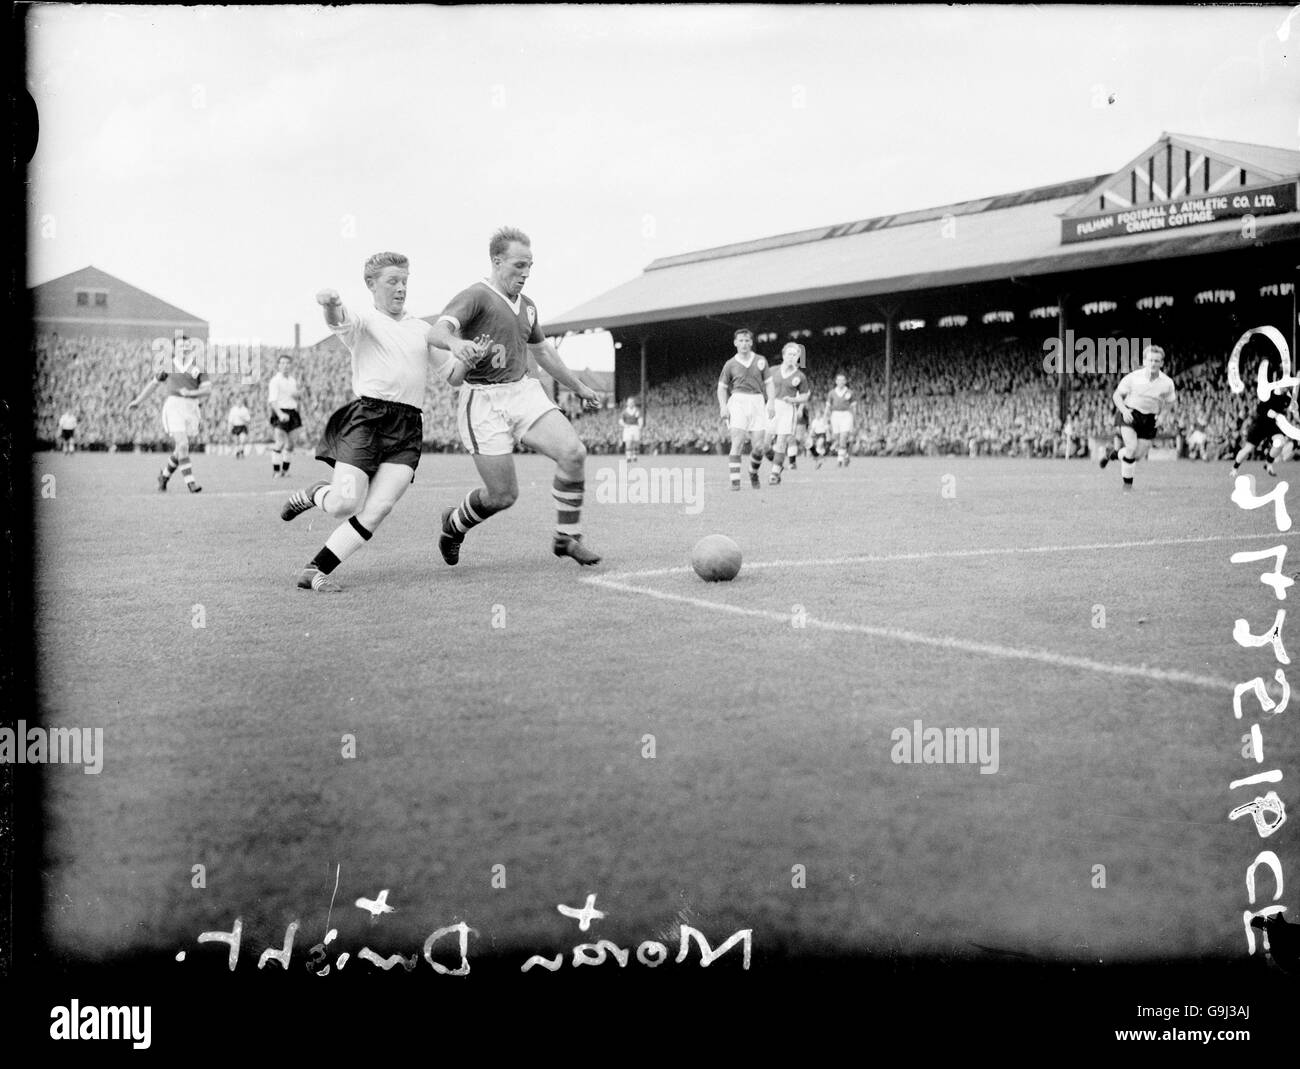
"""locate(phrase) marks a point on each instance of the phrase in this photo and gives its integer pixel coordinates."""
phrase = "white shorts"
(491, 419)
(631, 433)
(180, 415)
(784, 422)
(747, 412)
(841, 423)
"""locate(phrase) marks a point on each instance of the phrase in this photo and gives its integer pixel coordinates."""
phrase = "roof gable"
(1177, 166)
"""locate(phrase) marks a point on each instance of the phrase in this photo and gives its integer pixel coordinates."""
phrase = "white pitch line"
(872, 558)
(895, 634)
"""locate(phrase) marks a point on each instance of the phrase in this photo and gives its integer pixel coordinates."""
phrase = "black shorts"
(367, 432)
(1144, 424)
(1261, 430)
(66, 434)
(292, 421)
(239, 429)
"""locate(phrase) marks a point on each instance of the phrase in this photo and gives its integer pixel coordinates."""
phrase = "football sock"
(778, 464)
(275, 459)
(186, 470)
(346, 540)
(755, 462)
(733, 468)
(173, 462)
(1126, 467)
(284, 467)
(470, 512)
(568, 504)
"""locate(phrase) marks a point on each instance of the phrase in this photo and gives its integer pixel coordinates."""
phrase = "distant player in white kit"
(632, 420)
(374, 442)
(1139, 398)
(285, 418)
(67, 431)
(742, 393)
(839, 407)
(787, 389)
(237, 420)
(183, 388)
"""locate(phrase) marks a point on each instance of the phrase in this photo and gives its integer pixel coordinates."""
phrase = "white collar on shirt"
(514, 305)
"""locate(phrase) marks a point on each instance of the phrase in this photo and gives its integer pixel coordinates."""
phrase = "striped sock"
(284, 467)
(346, 540)
(186, 470)
(568, 504)
(733, 468)
(470, 512)
(1126, 467)
(778, 464)
(173, 462)
(755, 461)
(275, 459)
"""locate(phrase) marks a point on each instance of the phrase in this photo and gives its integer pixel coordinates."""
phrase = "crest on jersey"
(532, 317)
(761, 363)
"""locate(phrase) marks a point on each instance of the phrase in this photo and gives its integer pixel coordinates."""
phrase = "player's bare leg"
(383, 492)
(757, 447)
(553, 436)
(499, 491)
(340, 497)
(180, 458)
(1113, 453)
(780, 453)
(1133, 451)
(277, 451)
(733, 459)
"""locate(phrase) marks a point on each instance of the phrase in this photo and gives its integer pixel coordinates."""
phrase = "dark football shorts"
(368, 432)
(292, 421)
(1261, 429)
(1144, 424)
(66, 433)
(238, 429)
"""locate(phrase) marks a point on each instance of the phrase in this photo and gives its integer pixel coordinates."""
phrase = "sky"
(233, 161)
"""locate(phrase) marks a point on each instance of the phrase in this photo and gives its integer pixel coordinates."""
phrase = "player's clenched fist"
(328, 298)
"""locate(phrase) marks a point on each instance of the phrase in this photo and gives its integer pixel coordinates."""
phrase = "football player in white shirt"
(238, 420)
(1139, 398)
(285, 418)
(67, 429)
(374, 442)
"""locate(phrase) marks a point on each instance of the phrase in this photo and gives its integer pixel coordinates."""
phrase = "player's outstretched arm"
(442, 336)
(330, 300)
(454, 368)
(549, 361)
(149, 388)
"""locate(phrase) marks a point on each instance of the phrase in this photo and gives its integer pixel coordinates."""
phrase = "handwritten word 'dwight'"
(650, 953)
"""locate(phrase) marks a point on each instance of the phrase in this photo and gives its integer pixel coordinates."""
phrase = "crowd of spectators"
(963, 396)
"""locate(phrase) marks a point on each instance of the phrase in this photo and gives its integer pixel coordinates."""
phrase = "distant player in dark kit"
(282, 393)
(742, 394)
(501, 405)
(839, 407)
(372, 443)
(1140, 397)
(1263, 434)
(633, 420)
(787, 389)
(183, 388)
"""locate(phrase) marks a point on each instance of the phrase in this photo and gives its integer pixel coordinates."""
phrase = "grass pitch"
(503, 712)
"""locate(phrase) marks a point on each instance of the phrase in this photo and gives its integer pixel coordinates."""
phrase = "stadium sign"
(1186, 211)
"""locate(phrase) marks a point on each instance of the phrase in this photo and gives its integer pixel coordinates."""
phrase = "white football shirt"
(1146, 394)
(390, 357)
